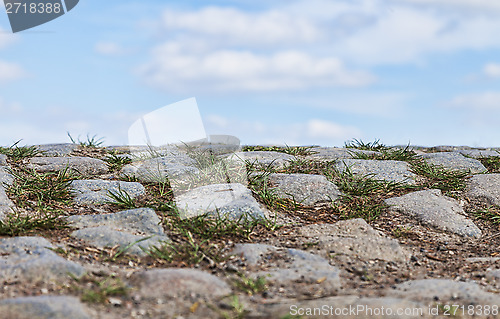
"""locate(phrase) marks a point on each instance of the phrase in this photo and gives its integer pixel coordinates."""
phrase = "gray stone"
(454, 161)
(88, 192)
(354, 238)
(179, 283)
(493, 275)
(231, 200)
(434, 209)
(140, 221)
(444, 290)
(262, 159)
(484, 188)
(6, 205)
(44, 307)
(160, 169)
(51, 150)
(479, 153)
(3, 160)
(29, 258)
(77, 164)
(285, 266)
(6, 178)
(107, 237)
(305, 189)
(392, 171)
(346, 307)
(336, 153)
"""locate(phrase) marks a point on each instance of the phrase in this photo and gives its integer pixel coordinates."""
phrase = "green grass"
(122, 199)
(90, 142)
(370, 146)
(448, 181)
(491, 214)
(99, 291)
(17, 153)
(249, 285)
(291, 150)
(116, 162)
(492, 163)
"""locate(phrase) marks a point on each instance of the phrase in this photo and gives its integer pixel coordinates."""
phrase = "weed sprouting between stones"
(91, 142)
(370, 146)
(492, 163)
(491, 214)
(449, 181)
(116, 162)
(93, 290)
(17, 153)
(249, 285)
(291, 150)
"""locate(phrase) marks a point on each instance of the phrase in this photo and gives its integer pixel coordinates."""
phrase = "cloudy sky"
(425, 72)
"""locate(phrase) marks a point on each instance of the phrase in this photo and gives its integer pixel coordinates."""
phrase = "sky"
(310, 72)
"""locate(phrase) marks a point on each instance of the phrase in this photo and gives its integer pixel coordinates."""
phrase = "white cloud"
(10, 72)
(175, 69)
(477, 101)
(492, 70)
(482, 5)
(6, 38)
(109, 48)
(308, 132)
(235, 26)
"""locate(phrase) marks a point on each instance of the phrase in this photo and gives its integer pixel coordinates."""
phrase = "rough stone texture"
(347, 307)
(336, 153)
(430, 290)
(6, 178)
(305, 189)
(140, 220)
(78, 164)
(161, 168)
(354, 238)
(88, 192)
(107, 237)
(262, 158)
(28, 258)
(3, 160)
(230, 200)
(44, 307)
(479, 153)
(432, 208)
(284, 266)
(179, 283)
(454, 161)
(52, 150)
(393, 171)
(484, 188)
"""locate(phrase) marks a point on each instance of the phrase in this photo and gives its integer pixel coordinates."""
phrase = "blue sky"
(296, 72)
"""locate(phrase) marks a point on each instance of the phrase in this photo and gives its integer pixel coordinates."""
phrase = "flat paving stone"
(231, 200)
(44, 307)
(6, 177)
(484, 188)
(262, 159)
(139, 221)
(52, 150)
(336, 153)
(3, 160)
(29, 258)
(77, 164)
(353, 238)
(108, 237)
(286, 266)
(444, 290)
(179, 283)
(160, 169)
(391, 171)
(306, 189)
(89, 192)
(454, 161)
(432, 208)
(479, 153)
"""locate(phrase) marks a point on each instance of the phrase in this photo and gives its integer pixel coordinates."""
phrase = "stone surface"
(353, 238)
(336, 153)
(284, 266)
(262, 159)
(52, 150)
(392, 171)
(29, 258)
(107, 237)
(178, 283)
(160, 169)
(44, 307)
(484, 188)
(77, 164)
(305, 189)
(479, 153)
(434, 209)
(3, 160)
(6, 177)
(231, 200)
(88, 192)
(455, 161)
